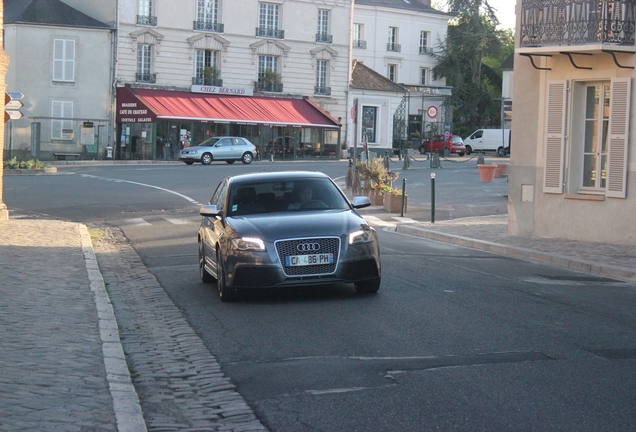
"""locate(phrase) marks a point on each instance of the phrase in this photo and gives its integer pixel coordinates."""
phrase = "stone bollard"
(480, 159)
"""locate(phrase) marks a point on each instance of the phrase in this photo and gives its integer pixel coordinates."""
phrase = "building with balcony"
(573, 158)
(220, 52)
(61, 61)
(397, 39)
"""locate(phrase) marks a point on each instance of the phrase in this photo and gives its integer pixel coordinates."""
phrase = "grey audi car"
(281, 229)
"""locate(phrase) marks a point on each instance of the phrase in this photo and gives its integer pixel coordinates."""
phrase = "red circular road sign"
(432, 111)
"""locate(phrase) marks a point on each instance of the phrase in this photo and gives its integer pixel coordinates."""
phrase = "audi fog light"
(360, 237)
(248, 244)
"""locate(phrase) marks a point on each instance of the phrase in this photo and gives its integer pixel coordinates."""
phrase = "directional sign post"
(12, 106)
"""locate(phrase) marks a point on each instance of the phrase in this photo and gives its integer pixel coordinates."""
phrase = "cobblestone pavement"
(179, 382)
(52, 371)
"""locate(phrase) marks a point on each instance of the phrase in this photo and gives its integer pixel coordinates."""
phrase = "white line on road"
(187, 198)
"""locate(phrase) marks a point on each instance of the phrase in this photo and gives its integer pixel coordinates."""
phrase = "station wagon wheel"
(203, 273)
(368, 286)
(206, 159)
(224, 292)
(247, 158)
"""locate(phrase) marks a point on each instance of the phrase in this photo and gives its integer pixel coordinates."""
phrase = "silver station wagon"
(228, 149)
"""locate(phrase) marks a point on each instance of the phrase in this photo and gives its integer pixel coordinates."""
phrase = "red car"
(437, 144)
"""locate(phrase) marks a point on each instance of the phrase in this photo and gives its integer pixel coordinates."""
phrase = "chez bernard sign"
(222, 90)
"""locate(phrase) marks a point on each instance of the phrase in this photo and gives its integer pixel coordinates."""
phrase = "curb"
(125, 400)
(579, 265)
(30, 171)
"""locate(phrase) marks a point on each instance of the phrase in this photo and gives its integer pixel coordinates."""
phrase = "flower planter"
(487, 172)
(501, 171)
(393, 203)
(378, 198)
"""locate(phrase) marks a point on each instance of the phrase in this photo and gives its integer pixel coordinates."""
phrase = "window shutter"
(555, 136)
(618, 133)
(58, 60)
(69, 63)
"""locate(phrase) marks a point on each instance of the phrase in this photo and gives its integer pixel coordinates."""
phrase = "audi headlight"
(362, 236)
(248, 244)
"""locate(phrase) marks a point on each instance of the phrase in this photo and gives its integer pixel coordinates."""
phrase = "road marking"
(178, 221)
(136, 222)
(403, 219)
(377, 221)
(187, 198)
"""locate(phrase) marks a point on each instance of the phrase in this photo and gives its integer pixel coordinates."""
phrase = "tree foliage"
(469, 59)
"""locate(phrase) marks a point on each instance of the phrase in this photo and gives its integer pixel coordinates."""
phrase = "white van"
(497, 140)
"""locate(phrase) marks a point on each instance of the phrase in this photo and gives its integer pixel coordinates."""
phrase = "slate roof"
(365, 78)
(508, 63)
(47, 12)
(412, 5)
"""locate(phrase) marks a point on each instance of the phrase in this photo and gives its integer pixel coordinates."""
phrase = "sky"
(505, 12)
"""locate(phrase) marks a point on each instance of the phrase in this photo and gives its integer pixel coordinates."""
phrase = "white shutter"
(56, 125)
(69, 60)
(58, 60)
(618, 133)
(555, 136)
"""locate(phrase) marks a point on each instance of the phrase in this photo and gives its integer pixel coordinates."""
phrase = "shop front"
(157, 124)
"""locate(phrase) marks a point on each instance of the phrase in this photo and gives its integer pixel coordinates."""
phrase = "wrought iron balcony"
(426, 50)
(269, 86)
(393, 47)
(145, 78)
(360, 44)
(324, 38)
(146, 20)
(577, 22)
(214, 82)
(208, 26)
(324, 91)
(270, 33)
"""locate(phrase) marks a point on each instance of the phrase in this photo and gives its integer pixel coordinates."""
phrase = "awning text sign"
(132, 110)
(222, 90)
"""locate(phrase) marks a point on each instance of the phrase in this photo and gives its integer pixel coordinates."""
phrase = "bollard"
(480, 159)
(387, 160)
(432, 197)
(403, 196)
(407, 161)
(349, 179)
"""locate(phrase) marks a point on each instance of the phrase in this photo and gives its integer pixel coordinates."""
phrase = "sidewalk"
(62, 363)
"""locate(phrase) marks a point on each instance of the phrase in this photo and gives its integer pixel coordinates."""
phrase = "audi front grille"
(309, 246)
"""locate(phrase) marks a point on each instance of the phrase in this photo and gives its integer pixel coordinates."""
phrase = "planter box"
(501, 171)
(393, 203)
(487, 172)
(378, 199)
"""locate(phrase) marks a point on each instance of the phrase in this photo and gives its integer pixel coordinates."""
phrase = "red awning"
(234, 109)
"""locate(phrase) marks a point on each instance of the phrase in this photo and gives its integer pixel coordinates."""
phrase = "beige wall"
(4, 64)
(571, 215)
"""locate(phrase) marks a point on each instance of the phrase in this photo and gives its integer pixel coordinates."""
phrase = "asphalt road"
(456, 339)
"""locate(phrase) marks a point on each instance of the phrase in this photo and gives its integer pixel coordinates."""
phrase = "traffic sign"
(13, 104)
(15, 95)
(14, 115)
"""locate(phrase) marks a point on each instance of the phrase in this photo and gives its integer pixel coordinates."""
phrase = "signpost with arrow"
(12, 105)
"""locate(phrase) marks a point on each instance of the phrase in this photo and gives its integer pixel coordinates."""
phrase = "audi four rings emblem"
(308, 247)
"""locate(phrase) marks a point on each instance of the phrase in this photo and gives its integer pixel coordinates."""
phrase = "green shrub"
(16, 164)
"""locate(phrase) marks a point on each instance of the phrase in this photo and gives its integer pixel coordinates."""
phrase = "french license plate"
(305, 260)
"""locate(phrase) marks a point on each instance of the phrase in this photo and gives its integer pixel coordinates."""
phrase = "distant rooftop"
(412, 5)
(47, 12)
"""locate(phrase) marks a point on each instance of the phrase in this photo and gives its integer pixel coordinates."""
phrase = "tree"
(468, 60)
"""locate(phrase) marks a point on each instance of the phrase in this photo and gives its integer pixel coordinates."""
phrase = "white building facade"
(62, 64)
(255, 50)
(397, 39)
